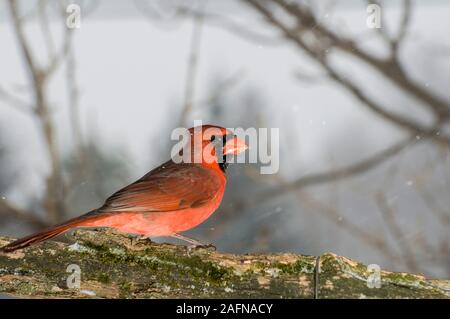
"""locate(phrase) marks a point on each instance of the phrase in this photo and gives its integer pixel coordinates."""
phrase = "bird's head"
(211, 144)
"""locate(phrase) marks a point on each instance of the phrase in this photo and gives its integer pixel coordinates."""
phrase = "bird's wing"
(168, 187)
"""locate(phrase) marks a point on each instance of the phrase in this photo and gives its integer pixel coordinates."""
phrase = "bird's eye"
(213, 138)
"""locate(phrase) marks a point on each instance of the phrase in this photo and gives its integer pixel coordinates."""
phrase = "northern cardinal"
(170, 199)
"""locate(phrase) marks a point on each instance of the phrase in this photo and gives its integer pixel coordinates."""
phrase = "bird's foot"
(136, 239)
(202, 246)
(194, 244)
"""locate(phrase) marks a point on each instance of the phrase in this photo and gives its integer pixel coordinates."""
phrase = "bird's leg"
(194, 243)
(189, 240)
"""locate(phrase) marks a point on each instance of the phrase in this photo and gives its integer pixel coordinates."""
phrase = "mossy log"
(112, 266)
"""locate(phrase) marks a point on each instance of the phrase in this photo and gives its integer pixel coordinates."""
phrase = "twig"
(332, 214)
(233, 27)
(191, 76)
(395, 230)
(342, 173)
(57, 59)
(39, 78)
(324, 39)
(213, 19)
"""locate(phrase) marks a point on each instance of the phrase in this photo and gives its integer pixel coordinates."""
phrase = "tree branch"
(111, 267)
(192, 70)
(337, 174)
(39, 78)
(321, 40)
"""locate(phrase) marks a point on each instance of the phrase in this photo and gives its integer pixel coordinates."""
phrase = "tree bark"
(112, 266)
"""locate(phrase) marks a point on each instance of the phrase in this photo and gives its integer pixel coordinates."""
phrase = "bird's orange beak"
(234, 146)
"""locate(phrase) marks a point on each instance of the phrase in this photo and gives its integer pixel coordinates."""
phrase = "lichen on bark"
(113, 267)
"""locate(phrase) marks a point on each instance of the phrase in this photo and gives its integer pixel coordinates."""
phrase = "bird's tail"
(48, 233)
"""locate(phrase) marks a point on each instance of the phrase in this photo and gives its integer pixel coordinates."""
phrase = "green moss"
(258, 267)
(167, 264)
(340, 278)
(295, 268)
(155, 271)
(403, 279)
(25, 288)
(23, 271)
(125, 289)
(103, 278)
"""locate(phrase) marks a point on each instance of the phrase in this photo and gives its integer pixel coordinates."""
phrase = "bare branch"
(251, 274)
(191, 76)
(413, 127)
(34, 69)
(216, 20)
(395, 42)
(442, 214)
(233, 27)
(56, 59)
(45, 27)
(39, 79)
(395, 230)
(333, 215)
(324, 39)
(404, 24)
(341, 173)
(352, 170)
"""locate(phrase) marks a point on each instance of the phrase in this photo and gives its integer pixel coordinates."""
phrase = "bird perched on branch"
(172, 198)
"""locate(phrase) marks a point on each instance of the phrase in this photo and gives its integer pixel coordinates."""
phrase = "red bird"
(170, 199)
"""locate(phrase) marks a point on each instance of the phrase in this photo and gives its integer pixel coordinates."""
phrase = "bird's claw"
(136, 239)
(202, 246)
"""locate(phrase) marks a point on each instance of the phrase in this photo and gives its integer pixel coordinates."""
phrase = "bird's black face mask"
(219, 142)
